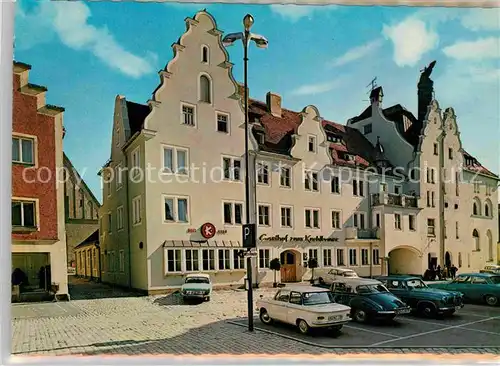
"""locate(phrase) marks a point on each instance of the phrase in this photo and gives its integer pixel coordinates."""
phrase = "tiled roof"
(137, 113)
(472, 164)
(92, 239)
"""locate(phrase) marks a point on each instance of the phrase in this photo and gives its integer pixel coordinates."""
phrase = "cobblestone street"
(135, 325)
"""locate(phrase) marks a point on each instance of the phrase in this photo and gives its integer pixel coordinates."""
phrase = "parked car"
(197, 286)
(476, 287)
(304, 306)
(422, 299)
(495, 269)
(368, 299)
(327, 276)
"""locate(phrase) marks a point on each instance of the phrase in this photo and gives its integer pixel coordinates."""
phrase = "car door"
(461, 284)
(478, 288)
(398, 288)
(294, 307)
(280, 305)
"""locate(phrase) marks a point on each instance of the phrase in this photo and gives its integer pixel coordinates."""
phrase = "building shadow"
(176, 299)
(84, 289)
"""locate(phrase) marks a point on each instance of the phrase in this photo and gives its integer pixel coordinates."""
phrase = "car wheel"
(427, 309)
(303, 326)
(264, 317)
(360, 316)
(491, 300)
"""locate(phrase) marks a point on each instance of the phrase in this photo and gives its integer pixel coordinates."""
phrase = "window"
(262, 173)
(136, 210)
(397, 189)
(430, 227)
(457, 183)
(188, 115)
(475, 209)
(233, 213)
(204, 54)
(121, 260)
(176, 209)
(479, 280)
(457, 236)
(23, 150)
(376, 257)
(232, 168)
(205, 89)
(364, 257)
(335, 185)
(487, 209)
(411, 222)
(119, 218)
(118, 176)
(435, 149)
(311, 181)
(222, 123)
(135, 160)
(192, 260)
(175, 160)
(327, 257)
(433, 202)
(353, 261)
(286, 217)
(358, 188)
(285, 173)
(397, 221)
(359, 220)
(311, 144)
(108, 187)
(450, 153)
(336, 220)
(24, 214)
(433, 175)
(312, 218)
(224, 259)
(264, 218)
(477, 242)
(377, 220)
(367, 129)
(459, 260)
(340, 257)
(264, 255)
(313, 253)
(383, 187)
(208, 259)
(110, 223)
(428, 199)
(238, 260)
(174, 260)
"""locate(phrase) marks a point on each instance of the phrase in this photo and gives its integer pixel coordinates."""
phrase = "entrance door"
(30, 264)
(288, 270)
(447, 259)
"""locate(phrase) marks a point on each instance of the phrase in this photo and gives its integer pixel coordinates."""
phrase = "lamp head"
(248, 22)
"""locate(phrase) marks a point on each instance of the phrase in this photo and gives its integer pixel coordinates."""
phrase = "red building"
(38, 222)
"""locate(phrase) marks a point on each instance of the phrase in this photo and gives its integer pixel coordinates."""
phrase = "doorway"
(288, 270)
(447, 259)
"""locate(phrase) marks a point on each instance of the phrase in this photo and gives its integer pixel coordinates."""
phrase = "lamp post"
(260, 42)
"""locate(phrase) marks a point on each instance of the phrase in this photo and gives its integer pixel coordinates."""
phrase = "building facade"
(38, 227)
(457, 223)
(174, 198)
(81, 211)
(87, 258)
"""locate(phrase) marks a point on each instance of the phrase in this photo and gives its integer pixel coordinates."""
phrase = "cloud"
(483, 48)
(411, 39)
(293, 13)
(356, 53)
(313, 89)
(68, 21)
(482, 19)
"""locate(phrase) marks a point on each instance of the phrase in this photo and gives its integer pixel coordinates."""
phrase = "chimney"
(376, 96)
(273, 102)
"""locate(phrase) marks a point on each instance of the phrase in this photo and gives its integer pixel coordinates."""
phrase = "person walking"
(438, 272)
(453, 271)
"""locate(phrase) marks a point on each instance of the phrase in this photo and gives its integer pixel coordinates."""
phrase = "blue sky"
(87, 53)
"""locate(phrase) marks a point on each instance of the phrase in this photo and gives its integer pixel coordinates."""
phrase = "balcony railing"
(392, 199)
(355, 233)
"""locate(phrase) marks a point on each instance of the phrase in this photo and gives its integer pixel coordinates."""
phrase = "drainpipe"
(441, 191)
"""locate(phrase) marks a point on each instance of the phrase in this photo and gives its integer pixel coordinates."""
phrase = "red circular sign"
(207, 230)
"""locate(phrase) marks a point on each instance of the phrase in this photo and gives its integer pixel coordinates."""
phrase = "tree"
(312, 263)
(275, 265)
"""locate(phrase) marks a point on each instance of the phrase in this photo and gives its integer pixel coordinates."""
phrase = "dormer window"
(204, 54)
(367, 129)
(349, 157)
(261, 138)
(311, 144)
(333, 138)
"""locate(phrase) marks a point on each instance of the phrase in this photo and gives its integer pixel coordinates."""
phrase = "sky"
(87, 53)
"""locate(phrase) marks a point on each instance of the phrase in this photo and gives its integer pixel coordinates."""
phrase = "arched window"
(204, 54)
(205, 90)
(476, 207)
(475, 236)
(487, 209)
(489, 238)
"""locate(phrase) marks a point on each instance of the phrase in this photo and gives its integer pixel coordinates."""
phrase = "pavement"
(100, 320)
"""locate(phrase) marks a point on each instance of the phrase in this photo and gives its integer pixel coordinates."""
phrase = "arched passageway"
(405, 260)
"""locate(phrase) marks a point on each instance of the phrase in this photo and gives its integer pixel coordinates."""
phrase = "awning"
(202, 244)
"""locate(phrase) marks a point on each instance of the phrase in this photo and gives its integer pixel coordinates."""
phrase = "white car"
(328, 276)
(304, 306)
(197, 286)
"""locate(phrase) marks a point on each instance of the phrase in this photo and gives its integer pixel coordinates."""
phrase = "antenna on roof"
(372, 84)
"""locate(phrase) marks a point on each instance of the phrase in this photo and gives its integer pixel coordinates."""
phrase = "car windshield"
(317, 298)
(416, 283)
(197, 280)
(350, 274)
(495, 280)
(371, 289)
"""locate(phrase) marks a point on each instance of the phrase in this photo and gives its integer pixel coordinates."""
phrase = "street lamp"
(260, 42)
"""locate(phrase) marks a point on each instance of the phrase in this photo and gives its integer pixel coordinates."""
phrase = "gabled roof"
(92, 239)
(476, 166)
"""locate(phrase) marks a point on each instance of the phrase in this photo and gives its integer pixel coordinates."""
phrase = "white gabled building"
(318, 188)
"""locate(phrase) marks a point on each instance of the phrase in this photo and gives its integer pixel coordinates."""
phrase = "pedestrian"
(453, 271)
(438, 272)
